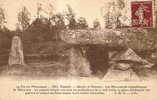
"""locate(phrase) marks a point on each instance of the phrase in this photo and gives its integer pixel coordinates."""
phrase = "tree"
(24, 18)
(58, 24)
(58, 21)
(39, 9)
(2, 18)
(105, 10)
(121, 4)
(82, 23)
(112, 13)
(96, 24)
(51, 11)
(42, 11)
(70, 16)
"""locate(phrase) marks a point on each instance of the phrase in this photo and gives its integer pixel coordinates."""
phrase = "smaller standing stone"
(16, 54)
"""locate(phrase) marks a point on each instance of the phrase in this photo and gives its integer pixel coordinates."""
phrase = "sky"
(90, 9)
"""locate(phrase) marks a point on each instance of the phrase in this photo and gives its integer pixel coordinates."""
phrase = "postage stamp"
(142, 13)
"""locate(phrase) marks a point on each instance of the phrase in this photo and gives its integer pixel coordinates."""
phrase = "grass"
(42, 69)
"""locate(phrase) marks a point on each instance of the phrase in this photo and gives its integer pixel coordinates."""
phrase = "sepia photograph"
(103, 40)
(114, 40)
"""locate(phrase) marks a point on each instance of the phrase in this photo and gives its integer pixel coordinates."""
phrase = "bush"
(5, 41)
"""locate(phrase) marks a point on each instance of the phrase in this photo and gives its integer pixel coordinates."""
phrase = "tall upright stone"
(16, 54)
(79, 65)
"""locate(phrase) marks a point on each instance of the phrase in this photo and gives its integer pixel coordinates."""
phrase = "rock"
(79, 65)
(122, 65)
(129, 56)
(88, 36)
(16, 54)
(119, 75)
(135, 38)
(154, 55)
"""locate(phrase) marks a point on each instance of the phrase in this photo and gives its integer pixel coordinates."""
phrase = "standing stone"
(79, 65)
(16, 54)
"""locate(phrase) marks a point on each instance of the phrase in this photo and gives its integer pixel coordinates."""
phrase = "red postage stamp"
(142, 14)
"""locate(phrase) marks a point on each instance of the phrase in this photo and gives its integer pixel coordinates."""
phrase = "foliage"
(70, 16)
(82, 23)
(57, 24)
(2, 17)
(112, 13)
(5, 40)
(24, 18)
(96, 24)
(44, 29)
(121, 4)
(57, 21)
(39, 31)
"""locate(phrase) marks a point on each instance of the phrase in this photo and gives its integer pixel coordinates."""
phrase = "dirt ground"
(55, 70)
